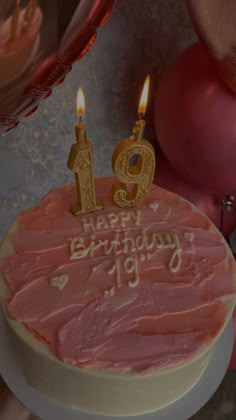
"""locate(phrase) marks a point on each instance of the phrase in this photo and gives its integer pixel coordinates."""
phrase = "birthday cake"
(19, 40)
(115, 312)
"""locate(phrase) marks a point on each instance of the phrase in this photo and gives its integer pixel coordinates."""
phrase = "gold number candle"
(80, 162)
(133, 162)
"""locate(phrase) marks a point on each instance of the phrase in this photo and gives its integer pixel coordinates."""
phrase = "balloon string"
(227, 204)
(222, 216)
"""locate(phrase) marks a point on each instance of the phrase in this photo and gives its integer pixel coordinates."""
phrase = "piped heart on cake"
(154, 206)
(59, 281)
(189, 236)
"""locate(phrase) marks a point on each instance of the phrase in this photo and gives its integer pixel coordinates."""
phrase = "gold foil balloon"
(39, 41)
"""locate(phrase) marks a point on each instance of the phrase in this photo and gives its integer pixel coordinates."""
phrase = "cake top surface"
(136, 289)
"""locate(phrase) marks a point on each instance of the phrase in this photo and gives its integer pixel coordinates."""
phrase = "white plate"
(182, 409)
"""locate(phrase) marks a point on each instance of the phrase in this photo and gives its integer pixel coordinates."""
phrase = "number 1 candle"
(140, 173)
(80, 162)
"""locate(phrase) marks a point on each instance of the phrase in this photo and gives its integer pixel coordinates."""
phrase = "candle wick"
(140, 116)
(79, 119)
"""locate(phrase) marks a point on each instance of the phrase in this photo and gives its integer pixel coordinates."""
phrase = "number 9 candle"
(133, 162)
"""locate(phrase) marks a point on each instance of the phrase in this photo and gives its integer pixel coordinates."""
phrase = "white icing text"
(127, 247)
(110, 221)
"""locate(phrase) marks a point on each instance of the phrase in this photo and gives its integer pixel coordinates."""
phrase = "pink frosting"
(99, 320)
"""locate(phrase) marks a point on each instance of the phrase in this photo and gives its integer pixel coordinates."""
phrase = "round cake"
(115, 312)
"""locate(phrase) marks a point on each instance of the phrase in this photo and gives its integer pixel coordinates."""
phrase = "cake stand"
(182, 409)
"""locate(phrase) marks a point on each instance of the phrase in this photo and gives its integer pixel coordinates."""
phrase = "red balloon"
(195, 119)
(209, 204)
(38, 44)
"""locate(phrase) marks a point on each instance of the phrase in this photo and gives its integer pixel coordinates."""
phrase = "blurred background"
(140, 37)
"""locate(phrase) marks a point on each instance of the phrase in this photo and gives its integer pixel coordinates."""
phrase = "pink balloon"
(195, 119)
(209, 204)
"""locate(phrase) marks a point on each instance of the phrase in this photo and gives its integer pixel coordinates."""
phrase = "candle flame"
(80, 103)
(144, 97)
